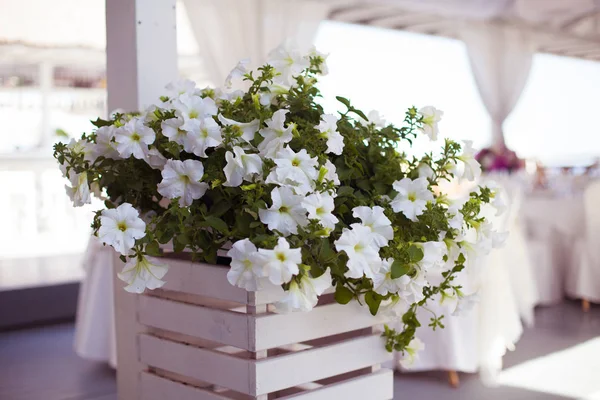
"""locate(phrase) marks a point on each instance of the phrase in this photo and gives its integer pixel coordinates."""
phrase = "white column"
(46, 82)
(141, 51)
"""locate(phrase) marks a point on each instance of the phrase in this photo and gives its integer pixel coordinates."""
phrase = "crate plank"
(281, 372)
(274, 330)
(211, 281)
(222, 326)
(197, 363)
(375, 386)
(154, 387)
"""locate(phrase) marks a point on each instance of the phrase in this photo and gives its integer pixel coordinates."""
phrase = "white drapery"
(228, 31)
(500, 57)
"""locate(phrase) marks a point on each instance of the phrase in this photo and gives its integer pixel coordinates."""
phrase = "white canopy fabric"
(231, 30)
(500, 58)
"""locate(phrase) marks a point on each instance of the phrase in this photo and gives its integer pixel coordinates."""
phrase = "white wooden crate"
(204, 339)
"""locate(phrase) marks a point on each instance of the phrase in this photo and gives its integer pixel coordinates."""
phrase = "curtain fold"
(500, 58)
(228, 31)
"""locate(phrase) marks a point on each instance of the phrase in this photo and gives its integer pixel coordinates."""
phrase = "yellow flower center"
(412, 197)
(193, 114)
(135, 137)
(122, 226)
(295, 162)
(281, 257)
(283, 209)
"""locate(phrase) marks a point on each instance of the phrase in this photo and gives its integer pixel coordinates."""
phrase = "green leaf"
(98, 123)
(217, 223)
(373, 300)
(343, 295)
(343, 100)
(178, 247)
(220, 208)
(398, 269)
(415, 253)
(461, 259)
(153, 249)
(345, 191)
(183, 239)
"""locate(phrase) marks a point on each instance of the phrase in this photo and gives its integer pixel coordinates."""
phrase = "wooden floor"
(39, 364)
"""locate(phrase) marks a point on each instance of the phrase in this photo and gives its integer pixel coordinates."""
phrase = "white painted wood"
(194, 362)
(377, 386)
(154, 387)
(226, 327)
(281, 372)
(274, 330)
(141, 52)
(211, 281)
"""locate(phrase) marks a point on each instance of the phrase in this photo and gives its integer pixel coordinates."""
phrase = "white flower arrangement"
(299, 198)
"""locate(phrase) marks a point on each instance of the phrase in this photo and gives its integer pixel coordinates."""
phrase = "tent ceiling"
(564, 27)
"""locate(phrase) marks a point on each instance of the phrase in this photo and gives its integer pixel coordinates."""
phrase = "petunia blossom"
(181, 179)
(320, 206)
(286, 213)
(241, 166)
(281, 263)
(275, 135)
(328, 129)
(79, 191)
(431, 117)
(241, 130)
(120, 227)
(362, 252)
(303, 294)
(412, 197)
(375, 219)
(143, 272)
(244, 264)
(133, 138)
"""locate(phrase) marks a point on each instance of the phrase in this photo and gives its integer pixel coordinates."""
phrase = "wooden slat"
(282, 372)
(197, 363)
(154, 387)
(275, 330)
(211, 281)
(375, 386)
(226, 327)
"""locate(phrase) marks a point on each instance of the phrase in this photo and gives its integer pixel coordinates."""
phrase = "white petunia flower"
(244, 130)
(181, 87)
(241, 166)
(304, 295)
(275, 134)
(207, 134)
(171, 128)
(286, 213)
(433, 255)
(394, 307)
(182, 179)
(296, 170)
(362, 252)
(133, 138)
(412, 197)
(237, 72)
(411, 353)
(189, 107)
(244, 264)
(105, 146)
(425, 171)
(431, 117)
(120, 227)
(331, 174)
(281, 263)
(466, 304)
(143, 272)
(412, 287)
(471, 169)
(79, 191)
(383, 282)
(267, 97)
(377, 222)
(155, 159)
(328, 129)
(320, 207)
(289, 61)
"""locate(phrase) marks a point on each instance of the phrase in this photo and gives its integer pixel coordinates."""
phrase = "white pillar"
(46, 82)
(141, 51)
